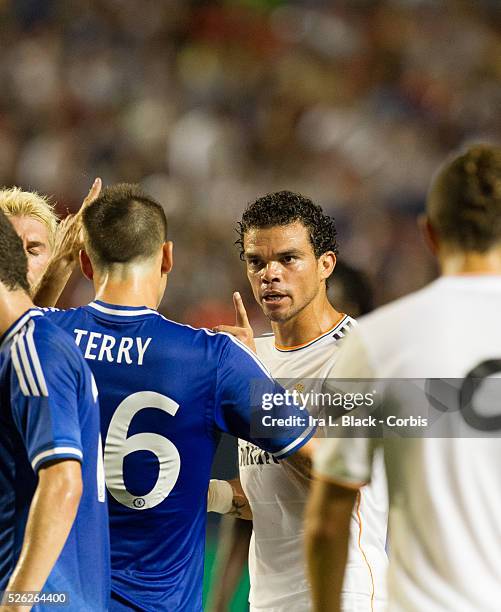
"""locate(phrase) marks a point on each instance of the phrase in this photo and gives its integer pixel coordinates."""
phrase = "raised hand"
(67, 245)
(69, 239)
(242, 328)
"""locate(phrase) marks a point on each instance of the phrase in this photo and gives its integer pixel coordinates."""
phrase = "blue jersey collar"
(121, 311)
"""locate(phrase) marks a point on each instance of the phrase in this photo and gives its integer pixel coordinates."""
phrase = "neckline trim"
(121, 311)
(297, 347)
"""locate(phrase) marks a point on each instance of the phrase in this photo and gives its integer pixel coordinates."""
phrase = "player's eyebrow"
(289, 253)
(35, 244)
(280, 255)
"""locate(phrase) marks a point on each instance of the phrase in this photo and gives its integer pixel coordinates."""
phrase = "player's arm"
(327, 534)
(228, 497)
(65, 254)
(342, 465)
(232, 553)
(52, 512)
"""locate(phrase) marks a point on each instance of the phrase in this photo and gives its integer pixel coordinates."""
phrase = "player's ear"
(167, 257)
(429, 233)
(327, 263)
(86, 265)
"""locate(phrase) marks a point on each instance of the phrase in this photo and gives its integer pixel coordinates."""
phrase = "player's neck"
(13, 304)
(311, 322)
(471, 263)
(131, 291)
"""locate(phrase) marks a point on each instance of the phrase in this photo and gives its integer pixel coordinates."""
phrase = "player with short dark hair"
(126, 225)
(167, 391)
(53, 516)
(443, 476)
(289, 246)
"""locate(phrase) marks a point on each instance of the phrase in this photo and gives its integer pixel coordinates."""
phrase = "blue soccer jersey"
(166, 392)
(49, 411)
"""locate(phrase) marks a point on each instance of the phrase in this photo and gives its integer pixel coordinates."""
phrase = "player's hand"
(69, 238)
(242, 328)
(93, 194)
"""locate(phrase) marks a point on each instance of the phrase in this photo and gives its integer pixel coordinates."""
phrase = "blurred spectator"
(212, 104)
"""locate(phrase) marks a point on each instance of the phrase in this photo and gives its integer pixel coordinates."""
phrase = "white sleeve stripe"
(31, 313)
(59, 450)
(17, 366)
(26, 364)
(295, 443)
(250, 353)
(36, 361)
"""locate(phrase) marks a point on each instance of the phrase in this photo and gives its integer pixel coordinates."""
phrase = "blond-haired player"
(48, 244)
(35, 222)
(444, 484)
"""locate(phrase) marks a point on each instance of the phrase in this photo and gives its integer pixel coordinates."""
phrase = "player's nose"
(270, 273)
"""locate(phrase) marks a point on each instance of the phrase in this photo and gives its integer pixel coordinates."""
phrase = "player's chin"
(276, 314)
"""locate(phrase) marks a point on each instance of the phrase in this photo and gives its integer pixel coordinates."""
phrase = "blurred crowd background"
(211, 104)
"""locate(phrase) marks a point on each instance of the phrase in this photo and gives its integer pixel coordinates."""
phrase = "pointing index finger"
(241, 319)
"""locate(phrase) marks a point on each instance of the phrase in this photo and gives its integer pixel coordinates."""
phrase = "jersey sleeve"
(45, 385)
(347, 456)
(250, 405)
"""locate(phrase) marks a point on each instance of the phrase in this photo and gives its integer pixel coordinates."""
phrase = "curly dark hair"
(283, 208)
(464, 204)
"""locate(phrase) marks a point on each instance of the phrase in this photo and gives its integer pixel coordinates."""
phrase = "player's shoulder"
(265, 340)
(59, 316)
(49, 336)
(197, 338)
(402, 320)
(41, 345)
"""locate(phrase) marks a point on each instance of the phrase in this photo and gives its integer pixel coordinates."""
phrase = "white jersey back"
(445, 493)
(278, 494)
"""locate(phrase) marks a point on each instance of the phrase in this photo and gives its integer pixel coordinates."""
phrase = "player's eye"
(254, 264)
(33, 251)
(288, 259)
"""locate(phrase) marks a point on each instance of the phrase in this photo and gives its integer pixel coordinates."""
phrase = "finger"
(94, 192)
(241, 318)
(238, 332)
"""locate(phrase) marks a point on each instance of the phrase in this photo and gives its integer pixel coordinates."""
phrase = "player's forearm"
(228, 497)
(232, 553)
(327, 537)
(53, 282)
(50, 519)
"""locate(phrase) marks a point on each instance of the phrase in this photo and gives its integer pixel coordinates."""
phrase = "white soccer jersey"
(445, 493)
(278, 495)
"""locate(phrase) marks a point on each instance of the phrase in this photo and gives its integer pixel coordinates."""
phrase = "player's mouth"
(274, 297)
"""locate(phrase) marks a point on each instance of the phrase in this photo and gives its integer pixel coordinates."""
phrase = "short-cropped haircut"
(13, 260)
(123, 225)
(464, 203)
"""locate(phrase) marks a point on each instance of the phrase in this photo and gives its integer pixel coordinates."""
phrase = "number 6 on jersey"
(118, 446)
